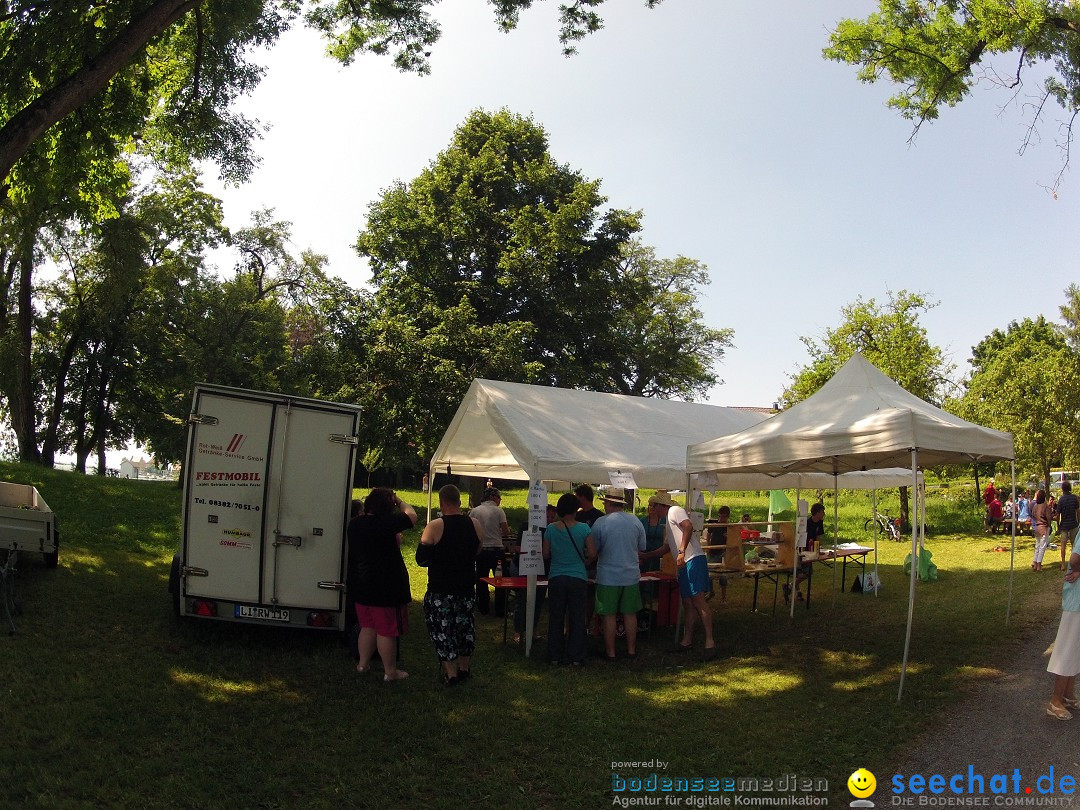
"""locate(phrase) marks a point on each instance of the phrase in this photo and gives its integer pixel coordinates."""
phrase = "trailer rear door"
(269, 481)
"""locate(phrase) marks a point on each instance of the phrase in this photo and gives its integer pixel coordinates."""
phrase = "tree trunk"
(31, 122)
(80, 459)
(101, 468)
(52, 429)
(904, 508)
(23, 416)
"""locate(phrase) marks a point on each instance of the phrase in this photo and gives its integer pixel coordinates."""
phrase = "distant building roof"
(756, 409)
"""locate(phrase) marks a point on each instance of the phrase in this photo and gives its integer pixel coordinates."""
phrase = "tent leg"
(876, 535)
(795, 555)
(530, 610)
(835, 528)
(914, 576)
(1012, 554)
(430, 486)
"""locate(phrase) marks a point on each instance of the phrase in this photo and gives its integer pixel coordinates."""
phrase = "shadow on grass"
(143, 709)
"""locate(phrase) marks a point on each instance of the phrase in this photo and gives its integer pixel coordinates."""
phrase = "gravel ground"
(1001, 724)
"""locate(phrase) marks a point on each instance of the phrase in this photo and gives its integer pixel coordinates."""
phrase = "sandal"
(1058, 712)
(710, 654)
(400, 675)
(1071, 703)
(681, 648)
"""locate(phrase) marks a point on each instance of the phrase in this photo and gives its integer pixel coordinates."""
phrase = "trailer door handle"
(332, 586)
(287, 539)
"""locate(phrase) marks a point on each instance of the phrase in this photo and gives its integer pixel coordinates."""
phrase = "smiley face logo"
(861, 783)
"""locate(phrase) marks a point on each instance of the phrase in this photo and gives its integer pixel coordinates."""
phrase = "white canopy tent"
(531, 432)
(859, 420)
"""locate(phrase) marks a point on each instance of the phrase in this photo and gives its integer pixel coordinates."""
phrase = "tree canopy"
(498, 261)
(171, 68)
(1026, 380)
(938, 51)
(889, 335)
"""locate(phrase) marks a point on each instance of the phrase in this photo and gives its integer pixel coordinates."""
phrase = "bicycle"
(884, 525)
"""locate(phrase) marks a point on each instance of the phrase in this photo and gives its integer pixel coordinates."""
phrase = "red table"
(515, 583)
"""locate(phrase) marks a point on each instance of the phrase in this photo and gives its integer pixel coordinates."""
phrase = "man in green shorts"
(619, 537)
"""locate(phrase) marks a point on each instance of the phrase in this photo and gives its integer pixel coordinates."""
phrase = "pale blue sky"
(744, 148)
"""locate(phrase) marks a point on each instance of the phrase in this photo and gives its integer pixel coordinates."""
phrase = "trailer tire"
(174, 584)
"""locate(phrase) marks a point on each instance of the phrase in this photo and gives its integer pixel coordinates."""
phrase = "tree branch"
(32, 121)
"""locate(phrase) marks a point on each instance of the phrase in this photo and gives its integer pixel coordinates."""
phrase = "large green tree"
(498, 261)
(497, 221)
(938, 51)
(1026, 380)
(659, 345)
(194, 326)
(89, 344)
(889, 335)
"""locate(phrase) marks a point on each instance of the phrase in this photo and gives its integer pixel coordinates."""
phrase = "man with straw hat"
(619, 537)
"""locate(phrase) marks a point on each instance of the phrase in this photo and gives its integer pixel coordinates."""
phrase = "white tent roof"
(858, 420)
(517, 431)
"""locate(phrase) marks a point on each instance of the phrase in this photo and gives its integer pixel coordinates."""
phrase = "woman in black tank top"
(448, 548)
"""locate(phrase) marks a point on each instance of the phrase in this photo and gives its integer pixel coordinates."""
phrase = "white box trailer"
(27, 523)
(267, 489)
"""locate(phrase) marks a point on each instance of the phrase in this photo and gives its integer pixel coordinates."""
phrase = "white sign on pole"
(622, 479)
(538, 501)
(532, 554)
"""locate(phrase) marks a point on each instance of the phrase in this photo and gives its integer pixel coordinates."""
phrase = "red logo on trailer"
(236, 443)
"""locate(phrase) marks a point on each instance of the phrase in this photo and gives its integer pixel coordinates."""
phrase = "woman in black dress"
(378, 581)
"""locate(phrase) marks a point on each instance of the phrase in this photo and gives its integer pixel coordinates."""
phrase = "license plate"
(264, 613)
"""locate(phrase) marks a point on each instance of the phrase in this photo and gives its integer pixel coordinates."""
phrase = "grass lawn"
(109, 701)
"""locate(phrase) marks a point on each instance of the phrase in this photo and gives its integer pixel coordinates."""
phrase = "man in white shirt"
(493, 520)
(693, 567)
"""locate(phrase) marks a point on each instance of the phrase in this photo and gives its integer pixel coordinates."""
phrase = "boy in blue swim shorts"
(693, 568)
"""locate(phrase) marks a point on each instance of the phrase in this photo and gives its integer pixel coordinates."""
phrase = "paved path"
(1003, 723)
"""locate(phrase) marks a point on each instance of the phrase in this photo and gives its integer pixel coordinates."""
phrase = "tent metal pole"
(430, 486)
(877, 532)
(914, 576)
(530, 588)
(1012, 554)
(795, 554)
(835, 526)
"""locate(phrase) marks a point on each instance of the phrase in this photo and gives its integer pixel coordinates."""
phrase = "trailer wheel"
(174, 584)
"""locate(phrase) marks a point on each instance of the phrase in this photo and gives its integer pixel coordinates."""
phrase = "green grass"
(108, 701)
